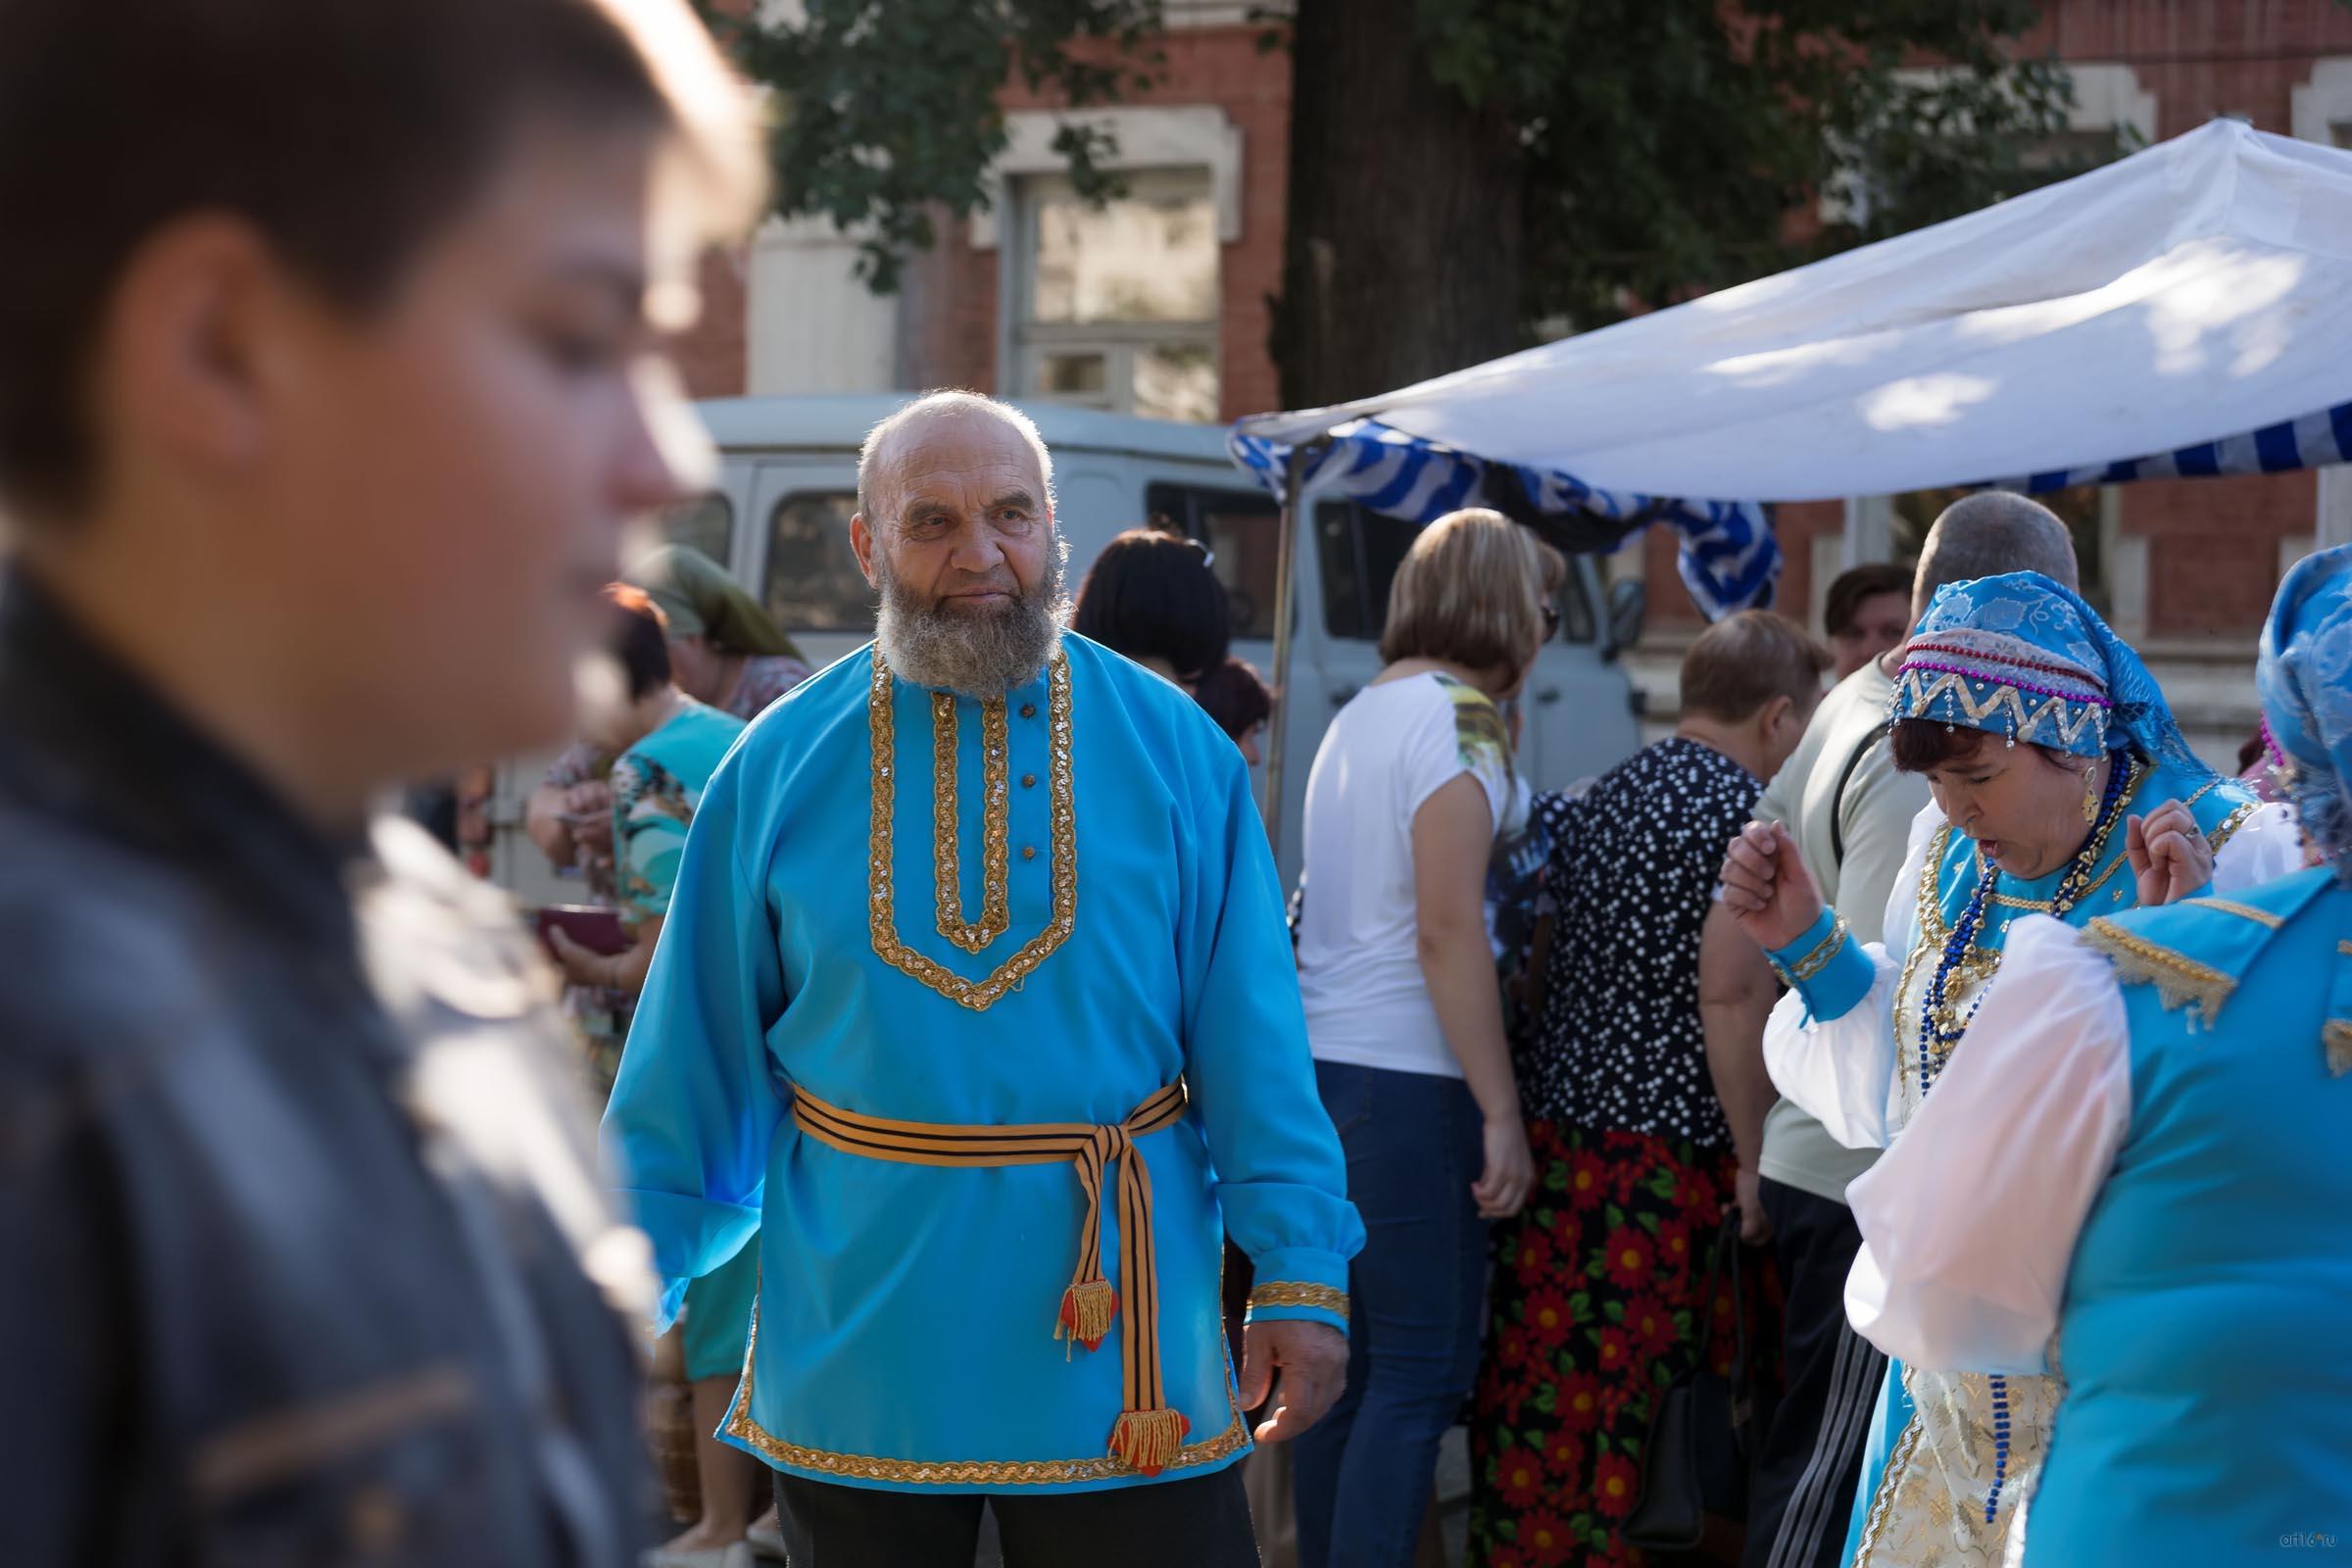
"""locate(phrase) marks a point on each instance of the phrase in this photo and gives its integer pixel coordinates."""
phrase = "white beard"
(980, 657)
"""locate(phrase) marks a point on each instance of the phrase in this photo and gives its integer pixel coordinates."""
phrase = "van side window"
(1242, 529)
(1360, 551)
(703, 522)
(814, 583)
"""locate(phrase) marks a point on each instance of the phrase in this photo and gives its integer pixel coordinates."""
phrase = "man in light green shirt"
(1851, 813)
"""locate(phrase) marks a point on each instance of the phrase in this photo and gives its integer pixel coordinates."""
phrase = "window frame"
(1028, 343)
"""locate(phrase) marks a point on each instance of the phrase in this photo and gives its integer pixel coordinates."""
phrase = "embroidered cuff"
(1292, 1286)
(1826, 967)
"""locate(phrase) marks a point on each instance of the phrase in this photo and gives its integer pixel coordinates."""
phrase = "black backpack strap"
(1845, 776)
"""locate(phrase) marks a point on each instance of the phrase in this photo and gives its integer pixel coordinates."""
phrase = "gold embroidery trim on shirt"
(2229, 825)
(995, 918)
(881, 854)
(1291, 1292)
(2244, 912)
(966, 1472)
(2180, 981)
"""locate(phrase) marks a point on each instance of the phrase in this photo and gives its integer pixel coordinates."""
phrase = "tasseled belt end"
(1087, 1308)
(1148, 1440)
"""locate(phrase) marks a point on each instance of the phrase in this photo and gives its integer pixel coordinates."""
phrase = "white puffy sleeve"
(2266, 846)
(1840, 1072)
(1969, 1222)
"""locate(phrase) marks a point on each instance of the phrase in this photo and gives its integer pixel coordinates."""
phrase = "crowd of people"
(1896, 1125)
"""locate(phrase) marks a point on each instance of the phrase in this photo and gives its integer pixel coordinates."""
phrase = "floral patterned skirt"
(1593, 1309)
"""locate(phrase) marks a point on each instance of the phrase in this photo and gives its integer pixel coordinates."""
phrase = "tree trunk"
(1404, 253)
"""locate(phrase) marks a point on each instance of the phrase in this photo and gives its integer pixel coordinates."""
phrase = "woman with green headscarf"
(724, 649)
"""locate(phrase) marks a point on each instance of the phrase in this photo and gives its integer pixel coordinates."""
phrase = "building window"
(1116, 305)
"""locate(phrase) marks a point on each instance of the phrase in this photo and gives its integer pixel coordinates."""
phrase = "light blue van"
(779, 518)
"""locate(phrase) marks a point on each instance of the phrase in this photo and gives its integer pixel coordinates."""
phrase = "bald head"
(965, 424)
(1989, 533)
(955, 529)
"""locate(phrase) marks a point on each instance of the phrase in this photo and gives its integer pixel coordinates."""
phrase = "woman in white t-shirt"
(1411, 788)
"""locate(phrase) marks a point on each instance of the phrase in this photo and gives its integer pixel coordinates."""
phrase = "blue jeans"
(1363, 1472)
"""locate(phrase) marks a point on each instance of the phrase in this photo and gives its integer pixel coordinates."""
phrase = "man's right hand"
(1767, 888)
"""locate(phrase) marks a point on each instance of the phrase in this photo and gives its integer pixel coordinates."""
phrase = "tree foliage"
(886, 110)
(1669, 146)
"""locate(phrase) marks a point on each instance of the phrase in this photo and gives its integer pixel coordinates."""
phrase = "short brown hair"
(1470, 592)
(1744, 661)
(347, 131)
(1856, 584)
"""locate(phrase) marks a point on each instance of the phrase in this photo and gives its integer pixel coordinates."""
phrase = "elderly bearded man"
(975, 1013)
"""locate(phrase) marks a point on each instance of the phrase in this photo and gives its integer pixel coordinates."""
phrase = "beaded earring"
(2090, 795)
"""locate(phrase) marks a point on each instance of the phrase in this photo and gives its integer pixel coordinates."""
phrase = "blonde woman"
(1413, 787)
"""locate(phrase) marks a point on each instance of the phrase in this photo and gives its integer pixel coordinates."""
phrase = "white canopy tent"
(2185, 311)
(2196, 293)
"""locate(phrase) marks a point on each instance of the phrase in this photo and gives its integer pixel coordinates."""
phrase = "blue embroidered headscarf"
(2306, 681)
(2022, 657)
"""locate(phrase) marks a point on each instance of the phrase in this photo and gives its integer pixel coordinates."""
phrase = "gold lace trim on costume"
(995, 918)
(969, 1472)
(1288, 1293)
(1881, 1505)
(881, 854)
(2244, 912)
(2229, 825)
(2180, 981)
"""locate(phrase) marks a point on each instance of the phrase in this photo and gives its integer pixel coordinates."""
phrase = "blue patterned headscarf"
(2022, 657)
(2306, 681)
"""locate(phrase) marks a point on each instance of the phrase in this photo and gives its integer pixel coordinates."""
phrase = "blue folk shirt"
(904, 1333)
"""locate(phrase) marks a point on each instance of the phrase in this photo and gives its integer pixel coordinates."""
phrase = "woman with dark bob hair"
(2061, 786)
(1154, 597)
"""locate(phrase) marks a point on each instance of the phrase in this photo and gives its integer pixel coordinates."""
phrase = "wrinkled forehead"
(959, 457)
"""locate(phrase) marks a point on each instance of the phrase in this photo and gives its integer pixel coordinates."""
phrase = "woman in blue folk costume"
(2171, 1200)
(2061, 786)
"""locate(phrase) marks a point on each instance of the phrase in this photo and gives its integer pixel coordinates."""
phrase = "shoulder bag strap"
(1845, 776)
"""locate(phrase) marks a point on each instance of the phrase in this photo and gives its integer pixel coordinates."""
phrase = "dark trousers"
(1803, 1493)
(1362, 1473)
(1198, 1523)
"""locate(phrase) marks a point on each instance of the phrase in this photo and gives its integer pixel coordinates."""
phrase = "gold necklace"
(1971, 969)
(881, 851)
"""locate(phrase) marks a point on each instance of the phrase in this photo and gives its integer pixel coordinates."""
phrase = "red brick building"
(1159, 305)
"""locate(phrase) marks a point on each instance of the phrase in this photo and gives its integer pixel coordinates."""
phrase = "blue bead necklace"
(1941, 1029)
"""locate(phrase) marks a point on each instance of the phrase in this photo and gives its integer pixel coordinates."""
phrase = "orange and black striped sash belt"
(1148, 1434)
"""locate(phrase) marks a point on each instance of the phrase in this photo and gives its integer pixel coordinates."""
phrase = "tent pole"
(1286, 618)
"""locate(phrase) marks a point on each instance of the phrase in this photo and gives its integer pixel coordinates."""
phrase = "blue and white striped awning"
(2314, 441)
(1729, 557)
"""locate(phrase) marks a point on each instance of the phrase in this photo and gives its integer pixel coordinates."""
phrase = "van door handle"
(1548, 696)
